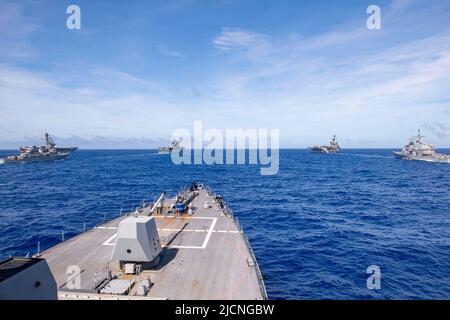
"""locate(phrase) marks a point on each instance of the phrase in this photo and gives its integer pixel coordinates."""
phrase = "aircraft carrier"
(333, 147)
(188, 247)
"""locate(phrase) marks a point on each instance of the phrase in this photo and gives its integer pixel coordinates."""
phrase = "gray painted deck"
(205, 256)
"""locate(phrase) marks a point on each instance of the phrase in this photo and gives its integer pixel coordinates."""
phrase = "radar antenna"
(49, 141)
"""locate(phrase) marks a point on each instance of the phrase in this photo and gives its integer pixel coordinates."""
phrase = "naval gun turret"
(137, 241)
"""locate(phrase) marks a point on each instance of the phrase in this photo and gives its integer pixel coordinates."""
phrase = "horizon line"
(283, 148)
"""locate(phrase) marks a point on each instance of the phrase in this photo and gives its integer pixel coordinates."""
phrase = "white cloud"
(30, 102)
(171, 53)
(336, 37)
(15, 32)
(13, 78)
(237, 40)
(374, 86)
(369, 88)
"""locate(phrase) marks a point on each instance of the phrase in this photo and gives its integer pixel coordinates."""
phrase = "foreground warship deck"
(205, 256)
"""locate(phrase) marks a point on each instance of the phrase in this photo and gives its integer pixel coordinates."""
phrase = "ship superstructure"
(333, 147)
(47, 152)
(417, 149)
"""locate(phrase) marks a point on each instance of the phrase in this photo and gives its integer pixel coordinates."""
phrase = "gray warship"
(42, 153)
(174, 145)
(332, 148)
(417, 149)
(190, 246)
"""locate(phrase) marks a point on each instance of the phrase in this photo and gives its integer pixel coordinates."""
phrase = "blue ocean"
(315, 227)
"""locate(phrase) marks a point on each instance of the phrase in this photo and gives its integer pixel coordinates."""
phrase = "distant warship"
(174, 145)
(332, 148)
(42, 153)
(417, 149)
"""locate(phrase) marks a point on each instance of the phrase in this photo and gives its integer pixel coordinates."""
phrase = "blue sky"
(137, 70)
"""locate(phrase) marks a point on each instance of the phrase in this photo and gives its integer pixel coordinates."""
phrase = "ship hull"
(167, 150)
(424, 159)
(428, 160)
(66, 150)
(163, 151)
(37, 159)
(320, 150)
(398, 154)
(316, 150)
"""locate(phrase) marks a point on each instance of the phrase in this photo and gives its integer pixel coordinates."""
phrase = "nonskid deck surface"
(205, 256)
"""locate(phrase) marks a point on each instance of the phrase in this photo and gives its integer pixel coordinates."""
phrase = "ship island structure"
(190, 246)
(47, 152)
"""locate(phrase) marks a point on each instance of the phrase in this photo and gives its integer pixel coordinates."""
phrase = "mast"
(49, 141)
(419, 136)
(334, 144)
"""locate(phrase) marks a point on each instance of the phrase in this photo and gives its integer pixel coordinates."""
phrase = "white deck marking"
(183, 230)
(205, 242)
(183, 217)
(185, 247)
(199, 230)
(209, 233)
(108, 242)
(203, 246)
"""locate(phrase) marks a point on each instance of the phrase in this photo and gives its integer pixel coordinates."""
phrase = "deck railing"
(229, 212)
(255, 261)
